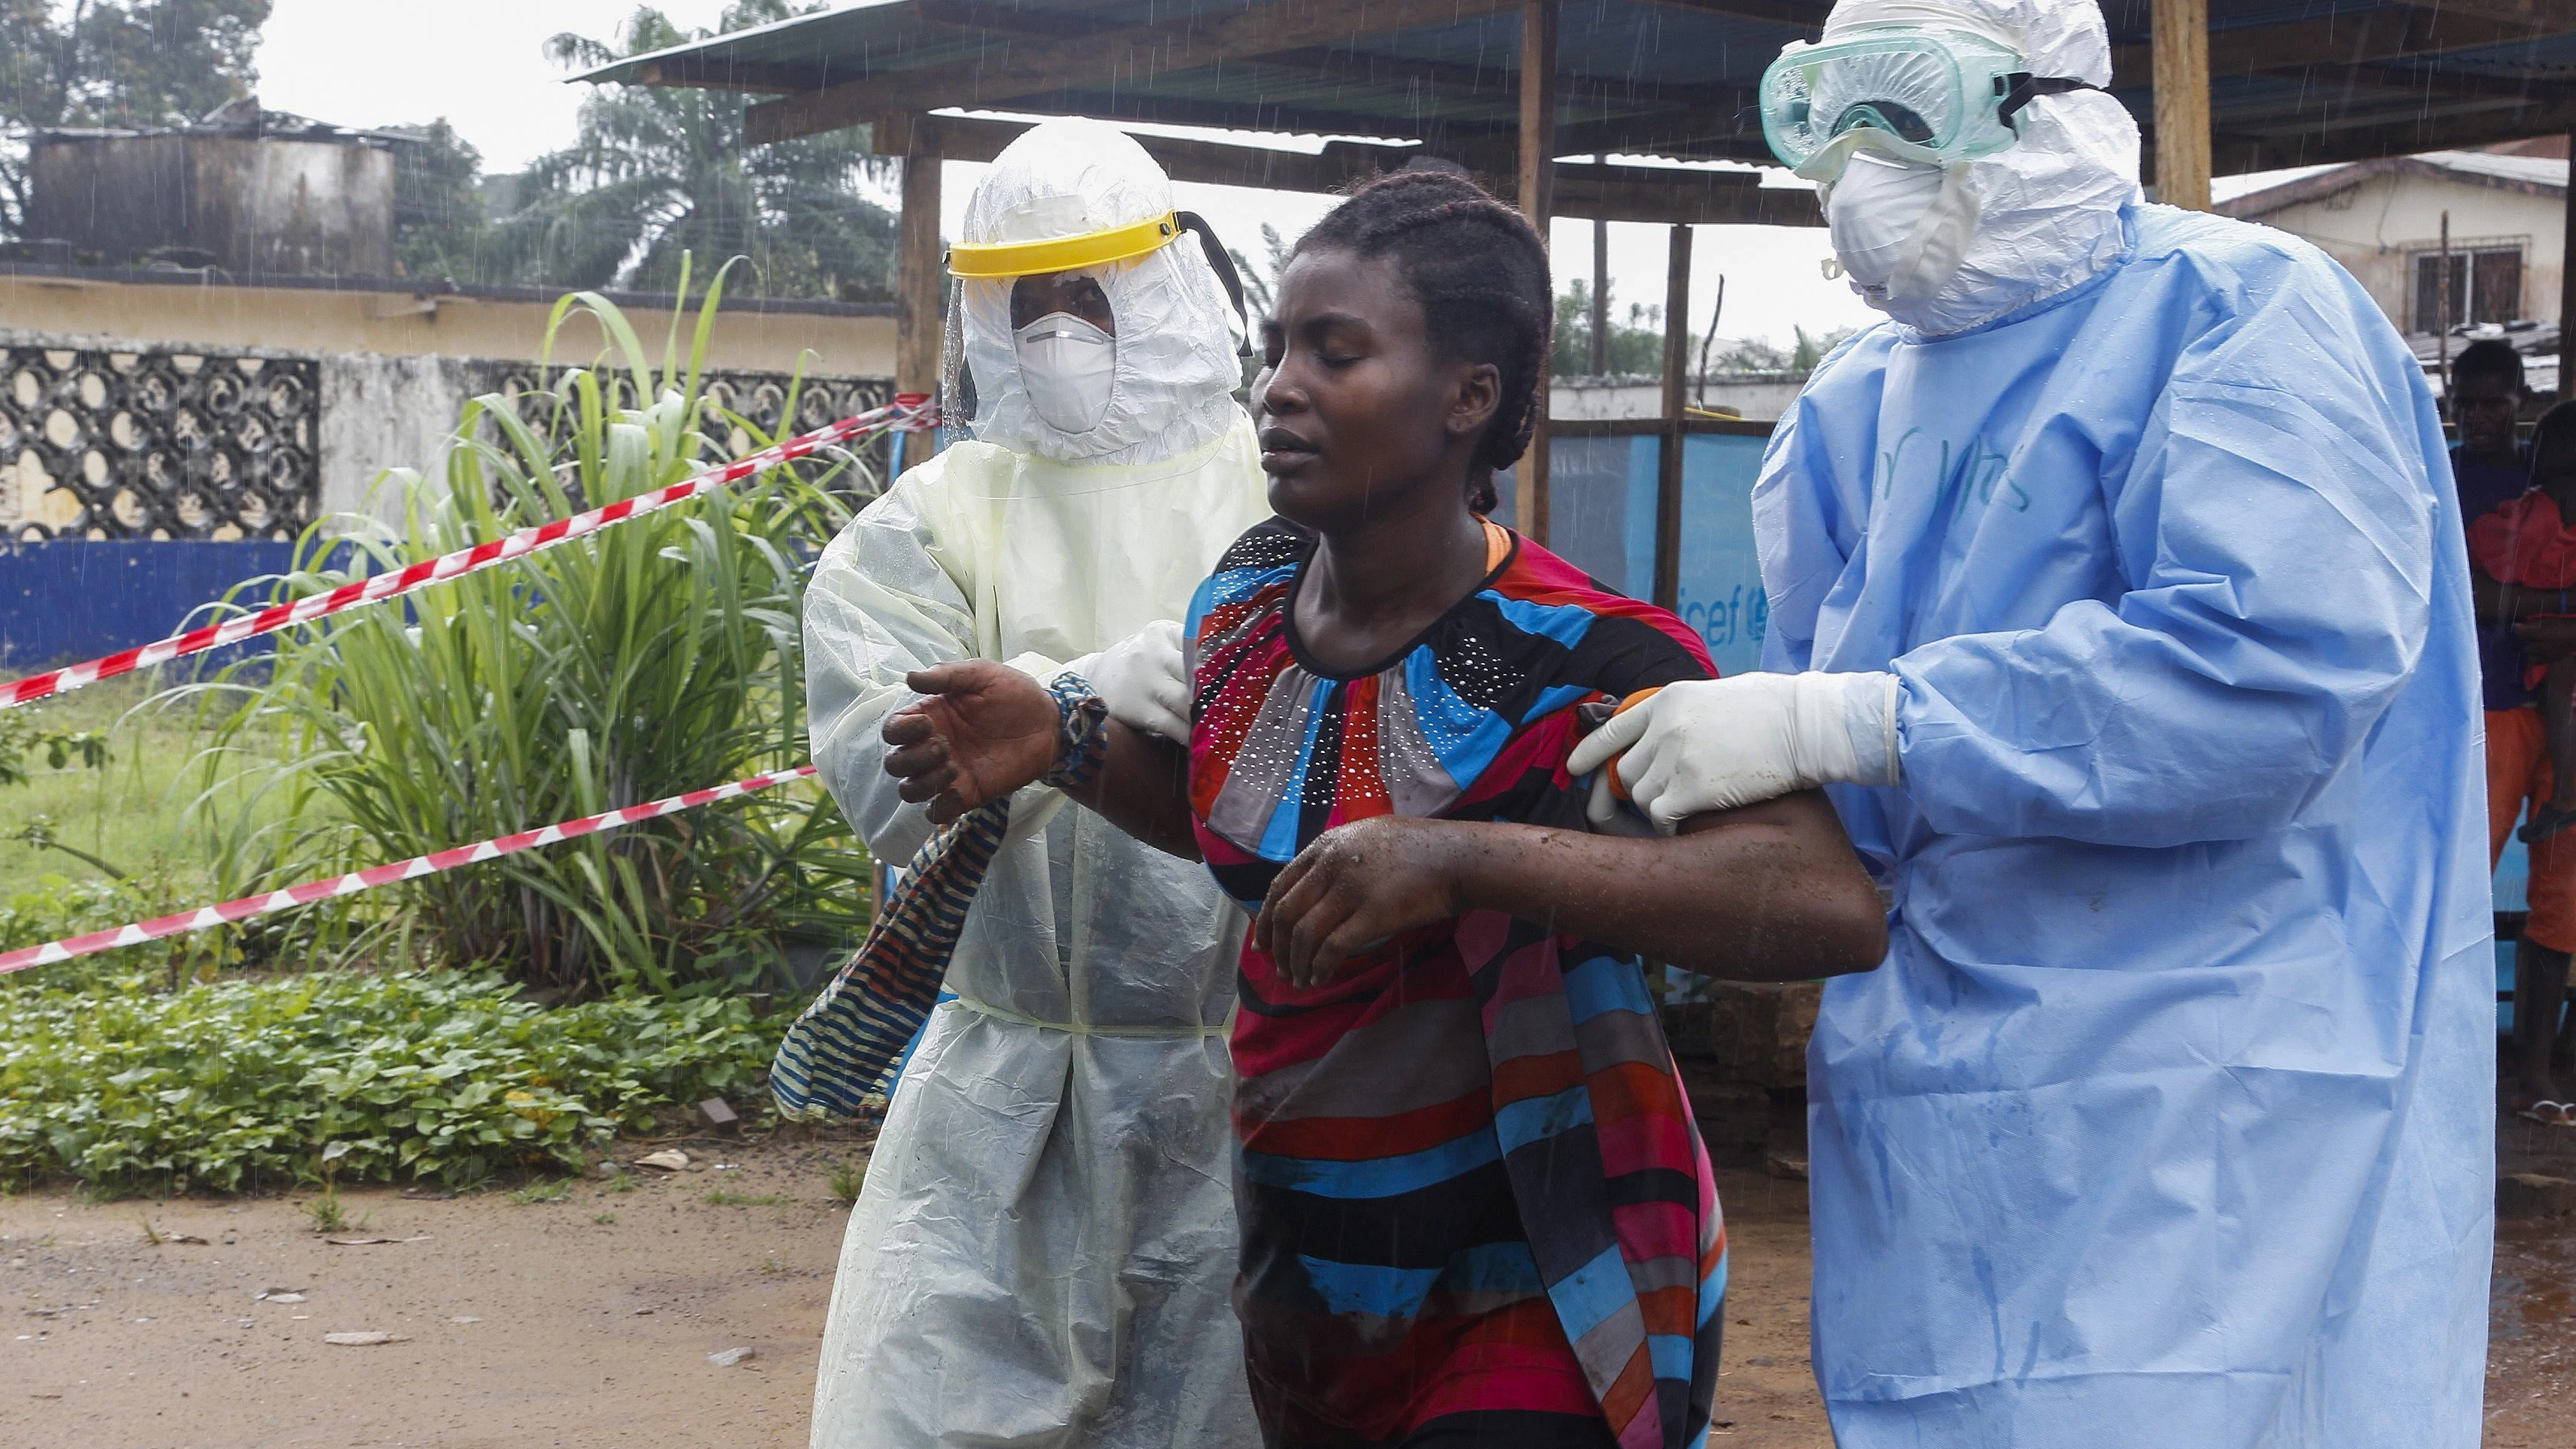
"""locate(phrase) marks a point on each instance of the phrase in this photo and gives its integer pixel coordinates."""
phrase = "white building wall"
(2377, 228)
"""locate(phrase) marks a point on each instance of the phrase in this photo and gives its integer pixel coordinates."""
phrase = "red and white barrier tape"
(348, 885)
(910, 412)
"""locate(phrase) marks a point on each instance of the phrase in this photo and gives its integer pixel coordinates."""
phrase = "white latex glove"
(1143, 681)
(1717, 744)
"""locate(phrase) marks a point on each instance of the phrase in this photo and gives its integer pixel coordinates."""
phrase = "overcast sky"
(480, 64)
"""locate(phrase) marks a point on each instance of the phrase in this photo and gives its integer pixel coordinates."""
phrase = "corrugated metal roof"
(2530, 170)
(1669, 77)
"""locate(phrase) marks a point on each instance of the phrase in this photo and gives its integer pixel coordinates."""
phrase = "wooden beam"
(1675, 131)
(2348, 39)
(2540, 15)
(2461, 129)
(920, 287)
(1652, 194)
(1253, 112)
(1008, 19)
(1668, 458)
(1805, 14)
(2427, 82)
(1538, 113)
(1680, 197)
(1537, 198)
(2181, 31)
(712, 73)
(2567, 284)
(1600, 319)
(1494, 82)
(1037, 64)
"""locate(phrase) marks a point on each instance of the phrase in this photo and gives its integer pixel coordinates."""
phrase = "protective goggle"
(1930, 97)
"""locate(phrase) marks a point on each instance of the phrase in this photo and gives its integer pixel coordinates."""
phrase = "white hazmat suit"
(1044, 1251)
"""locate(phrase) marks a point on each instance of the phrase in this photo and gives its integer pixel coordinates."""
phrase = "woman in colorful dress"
(1475, 1208)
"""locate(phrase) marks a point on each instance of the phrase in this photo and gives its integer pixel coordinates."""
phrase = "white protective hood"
(1177, 368)
(2048, 209)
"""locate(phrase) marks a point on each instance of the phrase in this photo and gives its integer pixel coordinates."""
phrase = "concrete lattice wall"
(375, 413)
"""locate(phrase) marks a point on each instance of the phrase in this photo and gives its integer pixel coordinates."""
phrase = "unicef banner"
(1601, 517)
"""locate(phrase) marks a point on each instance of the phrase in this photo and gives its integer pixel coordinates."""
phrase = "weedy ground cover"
(659, 656)
(85, 846)
(846, 1182)
(440, 1074)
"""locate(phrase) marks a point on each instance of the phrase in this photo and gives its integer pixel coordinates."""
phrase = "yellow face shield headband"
(1064, 254)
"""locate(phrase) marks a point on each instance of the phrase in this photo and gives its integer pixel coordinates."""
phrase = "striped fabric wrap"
(1476, 1122)
(837, 1060)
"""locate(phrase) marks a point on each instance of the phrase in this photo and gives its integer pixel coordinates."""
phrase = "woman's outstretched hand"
(985, 730)
(1354, 886)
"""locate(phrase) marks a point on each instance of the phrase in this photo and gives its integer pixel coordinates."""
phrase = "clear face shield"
(1918, 96)
(1067, 361)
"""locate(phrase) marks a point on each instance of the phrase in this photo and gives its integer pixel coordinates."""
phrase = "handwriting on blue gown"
(1974, 474)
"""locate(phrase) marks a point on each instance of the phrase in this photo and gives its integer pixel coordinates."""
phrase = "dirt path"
(589, 1320)
(583, 1321)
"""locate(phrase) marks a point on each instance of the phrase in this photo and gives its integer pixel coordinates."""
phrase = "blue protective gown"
(2169, 1120)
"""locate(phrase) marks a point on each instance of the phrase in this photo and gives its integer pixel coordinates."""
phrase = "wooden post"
(2567, 285)
(1538, 113)
(920, 277)
(2442, 311)
(1538, 203)
(2180, 40)
(1600, 289)
(1668, 461)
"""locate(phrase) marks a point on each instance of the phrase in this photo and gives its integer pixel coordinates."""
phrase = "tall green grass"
(658, 656)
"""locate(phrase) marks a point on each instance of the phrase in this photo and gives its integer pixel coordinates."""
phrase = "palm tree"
(661, 174)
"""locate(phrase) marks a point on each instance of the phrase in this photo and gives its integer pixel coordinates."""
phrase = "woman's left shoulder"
(1614, 644)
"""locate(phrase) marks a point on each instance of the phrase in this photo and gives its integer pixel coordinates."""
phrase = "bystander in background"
(2491, 470)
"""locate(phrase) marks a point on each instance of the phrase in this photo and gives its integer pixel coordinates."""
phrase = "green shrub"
(21, 742)
(658, 656)
(449, 1075)
(58, 906)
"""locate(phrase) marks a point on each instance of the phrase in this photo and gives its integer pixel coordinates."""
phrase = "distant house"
(2383, 220)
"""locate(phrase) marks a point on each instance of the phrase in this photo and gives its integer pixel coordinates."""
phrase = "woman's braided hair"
(1480, 273)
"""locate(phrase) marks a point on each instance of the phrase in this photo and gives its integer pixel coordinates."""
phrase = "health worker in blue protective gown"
(2118, 595)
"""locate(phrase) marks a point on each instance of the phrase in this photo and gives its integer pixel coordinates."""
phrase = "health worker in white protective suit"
(1045, 1248)
(2118, 596)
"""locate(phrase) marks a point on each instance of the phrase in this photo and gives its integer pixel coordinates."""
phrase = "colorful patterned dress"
(1472, 1195)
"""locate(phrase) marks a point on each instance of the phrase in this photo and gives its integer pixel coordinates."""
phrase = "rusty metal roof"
(2293, 81)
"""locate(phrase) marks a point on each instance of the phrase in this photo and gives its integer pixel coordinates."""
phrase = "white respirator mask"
(1068, 366)
(1899, 230)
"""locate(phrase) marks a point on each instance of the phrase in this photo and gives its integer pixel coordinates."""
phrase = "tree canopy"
(1636, 344)
(659, 174)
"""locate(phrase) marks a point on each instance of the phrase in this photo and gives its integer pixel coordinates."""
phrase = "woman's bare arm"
(985, 729)
(1771, 892)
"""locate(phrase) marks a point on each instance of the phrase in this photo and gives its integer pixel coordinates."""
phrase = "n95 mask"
(1067, 365)
(1899, 231)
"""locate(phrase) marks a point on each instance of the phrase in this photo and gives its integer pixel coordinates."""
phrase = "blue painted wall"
(68, 601)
